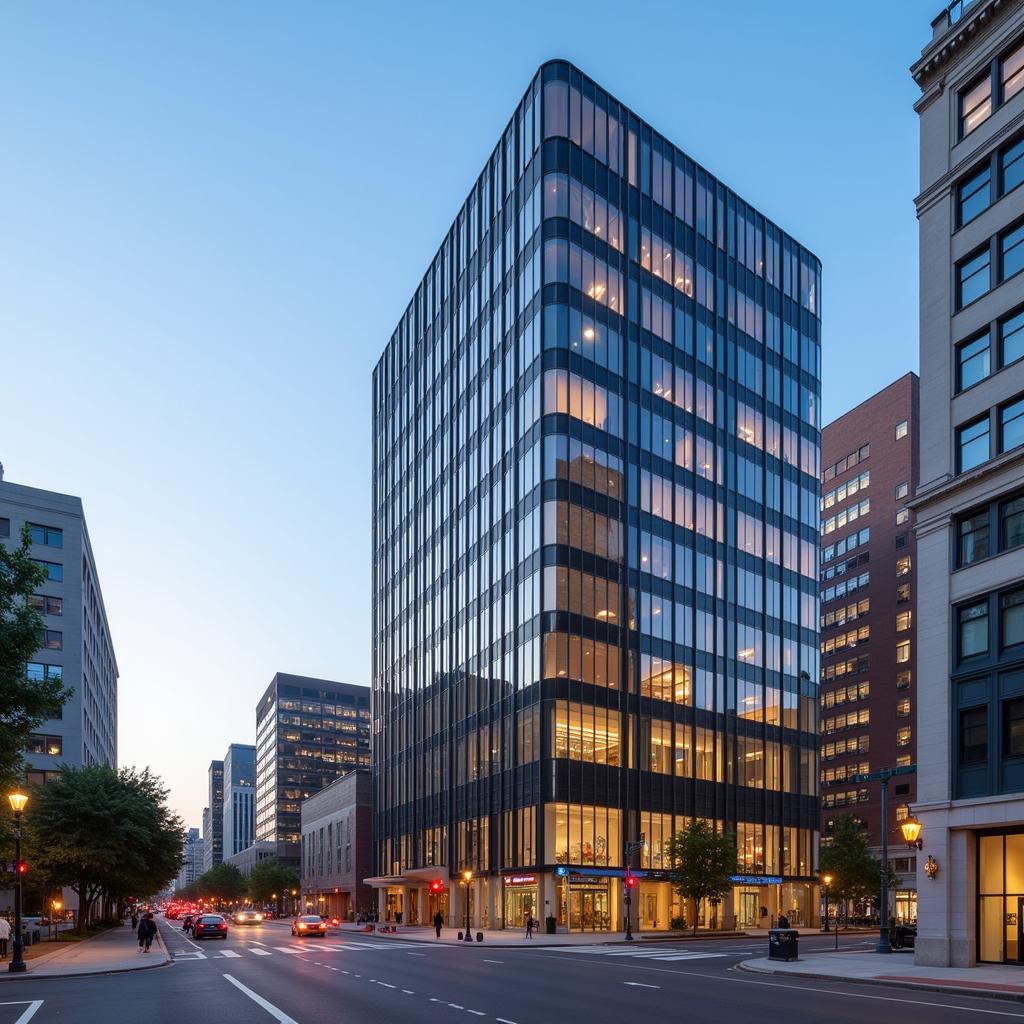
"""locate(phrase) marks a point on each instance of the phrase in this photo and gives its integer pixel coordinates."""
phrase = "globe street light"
(17, 801)
(467, 876)
(911, 829)
(826, 883)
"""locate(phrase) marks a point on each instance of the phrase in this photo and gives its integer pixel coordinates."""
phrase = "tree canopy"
(270, 877)
(222, 882)
(104, 832)
(702, 861)
(24, 702)
(855, 872)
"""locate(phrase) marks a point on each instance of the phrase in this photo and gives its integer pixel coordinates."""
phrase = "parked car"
(309, 924)
(248, 916)
(209, 925)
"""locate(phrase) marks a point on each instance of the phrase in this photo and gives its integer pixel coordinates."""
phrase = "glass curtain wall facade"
(595, 537)
(309, 732)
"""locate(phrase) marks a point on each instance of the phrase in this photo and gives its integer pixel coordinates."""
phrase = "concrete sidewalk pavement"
(111, 951)
(1004, 981)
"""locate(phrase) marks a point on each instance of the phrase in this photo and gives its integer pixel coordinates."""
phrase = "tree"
(702, 861)
(269, 877)
(855, 872)
(104, 833)
(24, 702)
(223, 882)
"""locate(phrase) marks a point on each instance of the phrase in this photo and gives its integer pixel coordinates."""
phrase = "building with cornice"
(969, 505)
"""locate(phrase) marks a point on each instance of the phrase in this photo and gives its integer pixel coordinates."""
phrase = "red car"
(309, 924)
(209, 926)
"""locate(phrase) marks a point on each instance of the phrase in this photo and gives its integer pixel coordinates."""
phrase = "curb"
(56, 954)
(924, 986)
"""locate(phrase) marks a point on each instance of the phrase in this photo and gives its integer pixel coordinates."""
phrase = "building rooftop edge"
(950, 37)
(871, 398)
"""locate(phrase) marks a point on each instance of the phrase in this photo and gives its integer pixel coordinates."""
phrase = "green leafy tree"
(104, 833)
(24, 702)
(223, 882)
(848, 859)
(269, 877)
(702, 861)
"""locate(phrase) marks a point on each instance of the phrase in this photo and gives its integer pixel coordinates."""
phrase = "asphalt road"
(260, 974)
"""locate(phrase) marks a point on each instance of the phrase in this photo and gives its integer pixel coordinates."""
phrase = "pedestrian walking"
(783, 921)
(438, 921)
(147, 929)
(135, 921)
(142, 931)
(529, 926)
(5, 935)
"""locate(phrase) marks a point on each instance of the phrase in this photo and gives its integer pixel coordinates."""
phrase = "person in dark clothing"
(147, 930)
(135, 921)
(783, 921)
(438, 921)
(529, 926)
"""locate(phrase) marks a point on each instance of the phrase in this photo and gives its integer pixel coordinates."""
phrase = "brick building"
(868, 601)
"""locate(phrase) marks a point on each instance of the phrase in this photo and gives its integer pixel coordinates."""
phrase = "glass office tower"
(595, 538)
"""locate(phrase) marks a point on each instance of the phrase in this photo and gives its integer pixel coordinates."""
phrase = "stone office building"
(969, 506)
(595, 537)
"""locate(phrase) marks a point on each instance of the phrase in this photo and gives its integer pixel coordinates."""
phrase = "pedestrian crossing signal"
(437, 886)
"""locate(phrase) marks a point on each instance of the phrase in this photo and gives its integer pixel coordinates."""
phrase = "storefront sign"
(520, 879)
(756, 879)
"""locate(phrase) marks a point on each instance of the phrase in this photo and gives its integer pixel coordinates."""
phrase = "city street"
(262, 974)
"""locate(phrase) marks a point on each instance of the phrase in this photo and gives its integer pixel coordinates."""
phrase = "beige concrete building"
(970, 502)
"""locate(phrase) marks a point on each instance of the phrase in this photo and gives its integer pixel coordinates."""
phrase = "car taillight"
(223, 927)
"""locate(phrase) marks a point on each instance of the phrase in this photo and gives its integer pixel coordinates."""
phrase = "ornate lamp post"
(55, 909)
(911, 829)
(467, 877)
(17, 801)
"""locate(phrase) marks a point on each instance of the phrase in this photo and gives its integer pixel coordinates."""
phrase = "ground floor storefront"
(570, 900)
(335, 903)
(970, 898)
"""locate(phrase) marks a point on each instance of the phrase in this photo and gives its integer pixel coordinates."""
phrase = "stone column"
(421, 904)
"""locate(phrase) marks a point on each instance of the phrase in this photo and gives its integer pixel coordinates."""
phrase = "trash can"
(782, 944)
(549, 925)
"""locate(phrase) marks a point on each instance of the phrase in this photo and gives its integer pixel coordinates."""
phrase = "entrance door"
(748, 909)
(589, 911)
(1018, 934)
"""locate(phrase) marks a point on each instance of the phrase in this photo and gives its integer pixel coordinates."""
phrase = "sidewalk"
(116, 949)
(507, 937)
(898, 968)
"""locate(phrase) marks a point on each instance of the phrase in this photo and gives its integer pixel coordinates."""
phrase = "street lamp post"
(17, 802)
(55, 908)
(826, 883)
(883, 775)
(630, 883)
(467, 876)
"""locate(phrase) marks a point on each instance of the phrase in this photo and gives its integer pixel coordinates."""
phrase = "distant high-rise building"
(239, 798)
(308, 733)
(868, 617)
(595, 536)
(969, 507)
(192, 866)
(213, 834)
(77, 645)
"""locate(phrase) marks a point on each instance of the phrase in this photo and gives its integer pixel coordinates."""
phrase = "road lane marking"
(502, 1020)
(640, 984)
(415, 954)
(287, 949)
(479, 1013)
(408, 991)
(188, 955)
(260, 952)
(31, 1007)
(229, 954)
(838, 992)
(494, 961)
(279, 1015)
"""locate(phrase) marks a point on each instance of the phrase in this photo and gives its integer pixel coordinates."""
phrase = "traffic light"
(21, 868)
(631, 881)
(436, 887)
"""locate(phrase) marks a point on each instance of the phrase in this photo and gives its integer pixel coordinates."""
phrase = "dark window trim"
(997, 99)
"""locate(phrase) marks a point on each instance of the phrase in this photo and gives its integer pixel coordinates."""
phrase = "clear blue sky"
(213, 214)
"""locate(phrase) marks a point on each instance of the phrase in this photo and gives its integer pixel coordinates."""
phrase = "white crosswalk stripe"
(229, 953)
(295, 950)
(261, 952)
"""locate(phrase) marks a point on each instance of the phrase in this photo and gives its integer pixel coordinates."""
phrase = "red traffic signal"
(437, 886)
(21, 868)
(631, 881)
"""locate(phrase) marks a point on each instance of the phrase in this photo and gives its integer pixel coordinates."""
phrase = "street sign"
(885, 774)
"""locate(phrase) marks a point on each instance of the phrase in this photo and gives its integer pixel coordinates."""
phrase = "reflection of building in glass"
(596, 457)
(308, 733)
(868, 613)
(969, 507)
